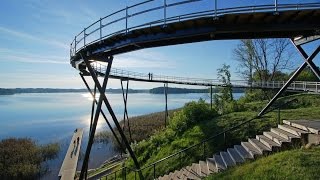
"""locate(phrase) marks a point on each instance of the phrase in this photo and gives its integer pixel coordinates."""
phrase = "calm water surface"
(53, 117)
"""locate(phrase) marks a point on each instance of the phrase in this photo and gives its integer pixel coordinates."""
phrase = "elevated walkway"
(296, 86)
(69, 165)
(265, 20)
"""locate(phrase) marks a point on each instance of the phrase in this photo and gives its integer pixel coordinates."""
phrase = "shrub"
(21, 158)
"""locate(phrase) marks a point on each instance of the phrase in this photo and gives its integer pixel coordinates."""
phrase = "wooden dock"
(69, 165)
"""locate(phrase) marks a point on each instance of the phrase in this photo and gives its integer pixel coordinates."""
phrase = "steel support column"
(311, 64)
(211, 97)
(166, 99)
(125, 101)
(104, 116)
(307, 59)
(104, 99)
(93, 104)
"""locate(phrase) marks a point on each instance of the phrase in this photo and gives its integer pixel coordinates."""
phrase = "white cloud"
(24, 35)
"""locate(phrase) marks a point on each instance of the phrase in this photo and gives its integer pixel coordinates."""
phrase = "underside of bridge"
(287, 24)
(301, 26)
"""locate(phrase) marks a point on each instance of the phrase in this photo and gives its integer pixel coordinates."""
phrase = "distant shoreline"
(158, 90)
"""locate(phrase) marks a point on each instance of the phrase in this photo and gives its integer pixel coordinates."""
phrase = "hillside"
(293, 164)
(195, 122)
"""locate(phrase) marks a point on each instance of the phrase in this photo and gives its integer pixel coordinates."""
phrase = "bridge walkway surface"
(69, 165)
(296, 86)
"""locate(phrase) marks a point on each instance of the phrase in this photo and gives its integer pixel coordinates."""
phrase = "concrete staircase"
(289, 134)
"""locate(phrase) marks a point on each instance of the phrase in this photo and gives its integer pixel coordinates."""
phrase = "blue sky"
(35, 36)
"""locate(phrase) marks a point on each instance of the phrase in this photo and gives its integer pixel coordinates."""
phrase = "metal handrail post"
(215, 8)
(84, 37)
(275, 5)
(75, 44)
(154, 171)
(126, 19)
(165, 11)
(100, 29)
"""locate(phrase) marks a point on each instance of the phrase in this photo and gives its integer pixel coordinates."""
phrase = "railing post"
(275, 5)
(224, 140)
(75, 44)
(154, 171)
(135, 175)
(100, 29)
(211, 97)
(180, 160)
(248, 130)
(215, 9)
(84, 37)
(126, 19)
(204, 150)
(165, 11)
(279, 115)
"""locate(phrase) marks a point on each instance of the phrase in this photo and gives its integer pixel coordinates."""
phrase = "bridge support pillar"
(102, 98)
(308, 60)
(211, 97)
(166, 108)
(125, 101)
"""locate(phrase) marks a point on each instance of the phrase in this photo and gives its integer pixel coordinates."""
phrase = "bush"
(192, 113)
(21, 158)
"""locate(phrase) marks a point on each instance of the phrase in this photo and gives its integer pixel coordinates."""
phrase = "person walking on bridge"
(149, 74)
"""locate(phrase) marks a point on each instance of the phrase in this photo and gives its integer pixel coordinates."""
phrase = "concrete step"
(285, 134)
(165, 177)
(211, 165)
(204, 171)
(193, 171)
(312, 126)
(243, 152)
(176, 174)
(228, 162)
(268, 142)
(186, 172)
(219, 162)
(276, 138)
(260, 146)
(170, 175)
(236, 158)
(251, 149)
(292, 130)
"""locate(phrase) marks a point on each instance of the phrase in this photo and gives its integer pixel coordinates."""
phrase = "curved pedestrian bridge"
(121, 74)
(155, 23)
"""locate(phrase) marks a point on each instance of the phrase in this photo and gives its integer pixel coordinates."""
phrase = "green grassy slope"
(294, 164)
(196, 122)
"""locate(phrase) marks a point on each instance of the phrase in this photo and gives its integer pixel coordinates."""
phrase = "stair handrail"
(202, 142)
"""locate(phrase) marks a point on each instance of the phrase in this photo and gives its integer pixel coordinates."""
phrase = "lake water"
(53, 118)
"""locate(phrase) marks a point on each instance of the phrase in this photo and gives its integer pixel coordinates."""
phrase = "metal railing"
(124, 171)
(163, 12)
(120, 73)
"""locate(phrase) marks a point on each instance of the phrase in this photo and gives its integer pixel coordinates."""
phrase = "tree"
(225, 93)
(306, 75)
(263, 57)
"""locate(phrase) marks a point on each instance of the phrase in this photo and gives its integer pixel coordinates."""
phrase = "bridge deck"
(296, 86)
(69, 165)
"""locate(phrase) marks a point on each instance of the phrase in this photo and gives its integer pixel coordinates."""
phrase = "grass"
(142, 127)
(293, 164)
(165, 142)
